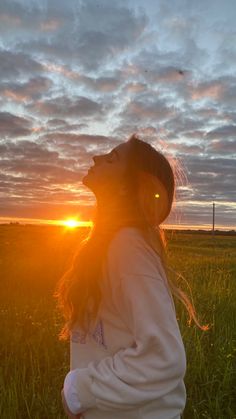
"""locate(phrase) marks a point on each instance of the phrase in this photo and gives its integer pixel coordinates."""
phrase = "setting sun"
(71, 223)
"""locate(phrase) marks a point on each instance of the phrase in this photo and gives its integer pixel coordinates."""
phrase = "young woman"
(127, 355)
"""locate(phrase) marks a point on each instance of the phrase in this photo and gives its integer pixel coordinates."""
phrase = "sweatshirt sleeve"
(155, 363)
(70, 393)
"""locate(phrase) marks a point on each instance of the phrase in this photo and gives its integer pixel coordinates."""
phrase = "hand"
(66, 409)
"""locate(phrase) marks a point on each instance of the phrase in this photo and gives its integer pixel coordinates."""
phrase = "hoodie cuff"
(77, 390)
(70, 394)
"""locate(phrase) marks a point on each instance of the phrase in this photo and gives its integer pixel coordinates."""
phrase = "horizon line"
(89, 223)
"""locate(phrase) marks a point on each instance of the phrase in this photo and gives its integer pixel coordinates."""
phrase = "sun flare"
(71, 223)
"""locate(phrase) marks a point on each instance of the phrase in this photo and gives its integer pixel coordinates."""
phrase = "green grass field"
(34, 362)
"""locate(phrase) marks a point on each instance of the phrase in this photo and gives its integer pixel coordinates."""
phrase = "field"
(34, 362)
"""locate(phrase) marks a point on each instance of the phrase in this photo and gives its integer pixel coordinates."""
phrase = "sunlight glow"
(71, 223)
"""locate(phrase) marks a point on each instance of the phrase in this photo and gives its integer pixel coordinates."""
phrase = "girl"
(127, 355)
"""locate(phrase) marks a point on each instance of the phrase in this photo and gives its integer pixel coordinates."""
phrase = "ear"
(153, 198)
(160, 203)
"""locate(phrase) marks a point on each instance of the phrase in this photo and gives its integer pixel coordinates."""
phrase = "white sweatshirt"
(132, 363)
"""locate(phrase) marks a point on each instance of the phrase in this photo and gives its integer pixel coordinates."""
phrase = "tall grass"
(209, 264)
(34, 362)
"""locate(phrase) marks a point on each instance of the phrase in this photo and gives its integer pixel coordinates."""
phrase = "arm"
(155, 363)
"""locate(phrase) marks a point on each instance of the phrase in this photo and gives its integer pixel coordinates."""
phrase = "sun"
(71, 223)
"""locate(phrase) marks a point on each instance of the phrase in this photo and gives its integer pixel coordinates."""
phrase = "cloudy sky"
(79, 77)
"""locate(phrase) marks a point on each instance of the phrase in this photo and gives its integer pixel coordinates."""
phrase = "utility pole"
(213, 220)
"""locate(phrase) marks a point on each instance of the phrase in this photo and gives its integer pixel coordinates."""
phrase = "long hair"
(150, 183)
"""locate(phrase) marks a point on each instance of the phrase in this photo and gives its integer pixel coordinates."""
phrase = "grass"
(34, 362)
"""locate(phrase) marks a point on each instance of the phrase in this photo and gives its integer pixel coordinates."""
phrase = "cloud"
(33, 15)
(212, 177)
(222, 147)
(187, 149)
(99, 36)
(183, 122)
(220, 91)
(101, 84)
(68, 107)
(135, 87)
(53, 172)
(140, 110)
(26, 150)
(90, 34)
(56, 124)
(213, 90)
(31, 90)
(14, 126)
(104, 84)
(17, 64)
(81, 146)
(227, 131)
(36, 162)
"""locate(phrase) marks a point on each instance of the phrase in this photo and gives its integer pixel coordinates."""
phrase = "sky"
(77, 78)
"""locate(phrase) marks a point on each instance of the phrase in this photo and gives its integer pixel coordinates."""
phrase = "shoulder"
(127, 233)
(127, 238)
(130, 251)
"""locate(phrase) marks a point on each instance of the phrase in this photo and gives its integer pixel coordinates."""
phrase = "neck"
(115, 211)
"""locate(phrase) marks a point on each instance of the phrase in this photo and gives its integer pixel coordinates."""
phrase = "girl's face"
(105, 178)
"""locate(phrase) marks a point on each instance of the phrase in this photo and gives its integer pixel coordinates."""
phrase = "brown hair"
(150, 183)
